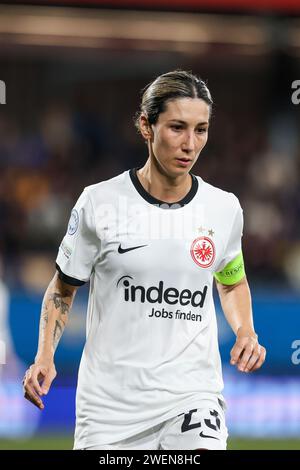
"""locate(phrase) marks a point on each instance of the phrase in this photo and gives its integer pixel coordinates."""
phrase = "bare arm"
(247, 354)
(56, 305)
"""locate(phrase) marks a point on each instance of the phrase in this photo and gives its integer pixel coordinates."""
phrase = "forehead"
(186, 109)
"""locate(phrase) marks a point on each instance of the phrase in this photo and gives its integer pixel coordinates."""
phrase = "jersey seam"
(231, 227)
(93, 209)
(95, 228)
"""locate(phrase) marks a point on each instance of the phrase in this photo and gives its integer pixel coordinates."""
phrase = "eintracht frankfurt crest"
(203, 252)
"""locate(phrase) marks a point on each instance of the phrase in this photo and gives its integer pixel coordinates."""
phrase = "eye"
(176, 127)
(201, 130)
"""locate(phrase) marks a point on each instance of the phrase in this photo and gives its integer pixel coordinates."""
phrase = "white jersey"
(151, 347)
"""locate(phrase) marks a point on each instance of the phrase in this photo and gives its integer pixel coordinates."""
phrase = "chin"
(177, 171)
(174, 170)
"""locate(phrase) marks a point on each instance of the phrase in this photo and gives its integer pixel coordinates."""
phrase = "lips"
(183, 161)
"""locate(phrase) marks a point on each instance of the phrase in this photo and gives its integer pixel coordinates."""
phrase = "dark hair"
(168, 87)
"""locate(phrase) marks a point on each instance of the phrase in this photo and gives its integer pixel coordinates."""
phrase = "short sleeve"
(80, 246)
(234, 243)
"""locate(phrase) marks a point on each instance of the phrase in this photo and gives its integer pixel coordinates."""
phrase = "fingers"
(35, 376)
(47, 382)
(247, 355)
(31, 386)
(260, 361)
(239, 350)
(37, 381)
(252, 359)
(34, 399)
(30, 394)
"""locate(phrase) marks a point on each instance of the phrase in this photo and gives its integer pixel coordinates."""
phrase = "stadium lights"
(71, 27)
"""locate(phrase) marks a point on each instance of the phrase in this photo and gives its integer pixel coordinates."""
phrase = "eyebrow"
(184, 122)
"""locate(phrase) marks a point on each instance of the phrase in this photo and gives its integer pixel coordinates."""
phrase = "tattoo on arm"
(44, 317)
(62, 301)
(59, 303)
(58, 330)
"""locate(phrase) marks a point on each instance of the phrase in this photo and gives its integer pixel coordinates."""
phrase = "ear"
(145, 127)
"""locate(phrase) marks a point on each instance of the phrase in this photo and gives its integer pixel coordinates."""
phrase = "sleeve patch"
(67, 251)
(73, 222)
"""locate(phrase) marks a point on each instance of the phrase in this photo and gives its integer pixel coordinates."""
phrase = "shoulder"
(223, 199)
(107, 190)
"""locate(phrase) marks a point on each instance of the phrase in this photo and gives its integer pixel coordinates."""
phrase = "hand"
(247, 354)
(37, 381)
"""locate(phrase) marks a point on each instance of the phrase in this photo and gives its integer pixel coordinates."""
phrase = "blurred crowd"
(47, 157)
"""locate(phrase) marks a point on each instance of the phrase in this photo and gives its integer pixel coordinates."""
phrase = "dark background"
(73, 78)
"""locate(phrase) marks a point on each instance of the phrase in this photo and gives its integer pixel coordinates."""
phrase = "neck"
(161, 185)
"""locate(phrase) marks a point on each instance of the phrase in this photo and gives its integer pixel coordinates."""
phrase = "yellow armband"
(233, 271)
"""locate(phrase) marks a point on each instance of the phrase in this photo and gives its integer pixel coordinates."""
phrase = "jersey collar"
(164, 205)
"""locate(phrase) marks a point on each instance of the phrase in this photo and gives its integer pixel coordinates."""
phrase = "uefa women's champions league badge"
(73, 222)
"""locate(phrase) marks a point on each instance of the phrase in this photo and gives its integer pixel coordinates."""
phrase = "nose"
(189, 142)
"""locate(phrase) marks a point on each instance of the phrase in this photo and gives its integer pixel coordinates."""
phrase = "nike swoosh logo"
(124, 250)
(205, 435)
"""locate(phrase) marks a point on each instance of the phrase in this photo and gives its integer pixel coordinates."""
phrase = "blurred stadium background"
(73, 74)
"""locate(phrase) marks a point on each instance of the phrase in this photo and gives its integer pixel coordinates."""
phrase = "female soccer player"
(151, 241)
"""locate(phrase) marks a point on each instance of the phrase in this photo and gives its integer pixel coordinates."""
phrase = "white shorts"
(198, 428)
